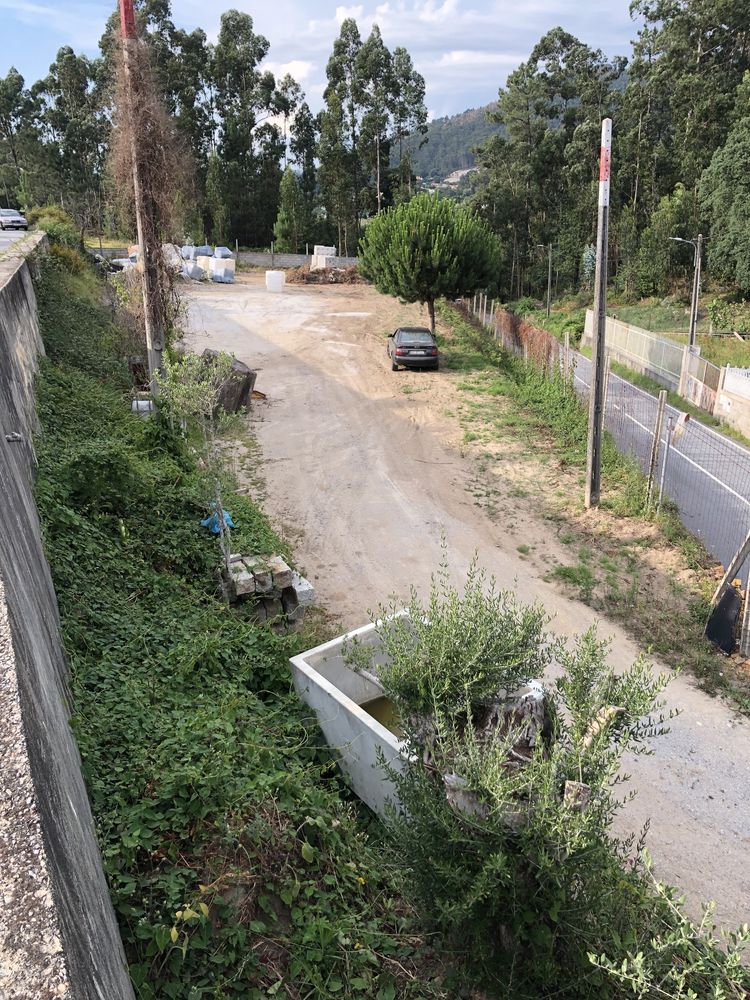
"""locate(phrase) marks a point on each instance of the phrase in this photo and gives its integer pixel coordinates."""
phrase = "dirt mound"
(330, 276)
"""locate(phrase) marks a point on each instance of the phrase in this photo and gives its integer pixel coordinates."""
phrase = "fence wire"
(707, 474)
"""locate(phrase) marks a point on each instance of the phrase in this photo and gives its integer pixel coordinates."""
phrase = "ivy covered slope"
(235, 867)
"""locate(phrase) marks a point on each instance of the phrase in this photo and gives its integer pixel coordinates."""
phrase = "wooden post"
(566, 356)
(655, 446)
(732, 569)
(596, 409)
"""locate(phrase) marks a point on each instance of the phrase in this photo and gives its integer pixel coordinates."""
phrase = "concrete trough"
(336, 692)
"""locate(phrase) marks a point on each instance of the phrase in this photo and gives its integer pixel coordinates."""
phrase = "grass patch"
(579, 576)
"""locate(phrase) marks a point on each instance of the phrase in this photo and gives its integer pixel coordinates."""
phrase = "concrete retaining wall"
(58, 932)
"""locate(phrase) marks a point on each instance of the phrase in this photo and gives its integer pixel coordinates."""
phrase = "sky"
(463, 48)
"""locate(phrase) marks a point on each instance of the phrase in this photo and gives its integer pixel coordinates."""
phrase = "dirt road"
(364, 471)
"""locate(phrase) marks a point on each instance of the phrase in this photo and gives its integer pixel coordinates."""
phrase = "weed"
(523, 549)
(580, 576)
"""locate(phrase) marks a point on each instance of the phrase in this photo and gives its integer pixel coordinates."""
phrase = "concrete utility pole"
(697, 245)
(147, 236)
(548, 248)
(596, 402)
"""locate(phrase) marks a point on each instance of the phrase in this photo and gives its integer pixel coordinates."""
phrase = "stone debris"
(275, 590)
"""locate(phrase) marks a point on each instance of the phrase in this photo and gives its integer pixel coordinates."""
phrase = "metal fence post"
(655, 446)
(607, 372)
(664, 466)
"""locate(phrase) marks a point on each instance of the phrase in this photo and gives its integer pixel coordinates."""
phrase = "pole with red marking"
(147, 240)
(596, 401)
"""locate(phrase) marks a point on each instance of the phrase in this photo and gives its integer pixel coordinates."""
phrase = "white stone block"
(280, 572)
(304, 590)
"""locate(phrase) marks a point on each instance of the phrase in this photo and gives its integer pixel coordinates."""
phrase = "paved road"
(9, 236)
(708, 475)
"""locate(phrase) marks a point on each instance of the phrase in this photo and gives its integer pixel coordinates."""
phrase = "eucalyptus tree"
(303, 138)
(409, 114)
(376, 89)
(725, 194)
(249, 145)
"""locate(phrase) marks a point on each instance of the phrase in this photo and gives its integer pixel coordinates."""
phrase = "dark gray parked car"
(413, 347)
(11, 219)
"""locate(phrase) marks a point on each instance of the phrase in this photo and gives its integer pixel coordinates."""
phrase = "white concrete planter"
(335, 692)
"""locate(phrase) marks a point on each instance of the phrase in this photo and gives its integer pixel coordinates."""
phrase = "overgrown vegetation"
(234, 864)
(507, 804)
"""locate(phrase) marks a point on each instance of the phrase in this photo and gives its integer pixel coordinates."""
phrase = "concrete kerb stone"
(280, 573)
(303, 589)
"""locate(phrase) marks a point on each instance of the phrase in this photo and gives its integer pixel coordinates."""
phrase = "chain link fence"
(707, 474)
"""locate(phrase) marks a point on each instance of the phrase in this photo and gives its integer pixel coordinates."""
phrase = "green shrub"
(50, 212)
(62, 233)
(67, 259)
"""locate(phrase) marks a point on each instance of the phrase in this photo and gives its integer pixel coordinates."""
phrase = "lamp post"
(548, 248)
(697, 245)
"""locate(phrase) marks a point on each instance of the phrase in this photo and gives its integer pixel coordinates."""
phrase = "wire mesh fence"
(707, 475)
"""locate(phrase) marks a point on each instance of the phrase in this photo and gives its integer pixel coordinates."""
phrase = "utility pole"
(549, 283)
(695, 298)
(548, 248)
(596, 401)
(148, 238)
(695, 302)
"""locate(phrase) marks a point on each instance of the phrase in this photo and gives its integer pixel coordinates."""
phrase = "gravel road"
(364, 478)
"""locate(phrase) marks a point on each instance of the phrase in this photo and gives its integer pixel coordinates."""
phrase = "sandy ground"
(363, 478)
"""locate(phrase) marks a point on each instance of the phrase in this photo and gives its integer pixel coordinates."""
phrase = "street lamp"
(548, 247)
(697, 245)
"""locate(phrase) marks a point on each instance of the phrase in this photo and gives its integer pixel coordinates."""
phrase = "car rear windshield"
(8, 211)
(415, 337)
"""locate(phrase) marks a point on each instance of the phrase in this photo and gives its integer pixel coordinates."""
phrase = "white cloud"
(464, 48)
(298, 68)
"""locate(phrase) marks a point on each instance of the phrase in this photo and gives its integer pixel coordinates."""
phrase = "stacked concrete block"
(275, 590)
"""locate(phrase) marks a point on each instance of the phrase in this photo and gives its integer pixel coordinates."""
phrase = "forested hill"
(450, 143)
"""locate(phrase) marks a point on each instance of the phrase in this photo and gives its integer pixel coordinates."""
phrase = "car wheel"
(394, 366)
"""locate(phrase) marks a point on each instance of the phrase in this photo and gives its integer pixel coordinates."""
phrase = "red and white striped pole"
(596, 400)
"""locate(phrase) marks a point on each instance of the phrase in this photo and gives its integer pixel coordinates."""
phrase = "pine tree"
(429, 248)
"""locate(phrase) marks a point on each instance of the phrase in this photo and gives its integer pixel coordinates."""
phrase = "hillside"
(450, 143)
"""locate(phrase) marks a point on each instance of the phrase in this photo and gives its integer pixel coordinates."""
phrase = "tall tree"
(293, 221)
(375, 87)
(248, 145)
(409, 114)
(302, 144)
(725, 195)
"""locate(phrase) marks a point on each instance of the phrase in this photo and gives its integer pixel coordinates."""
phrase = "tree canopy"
(429, 248)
